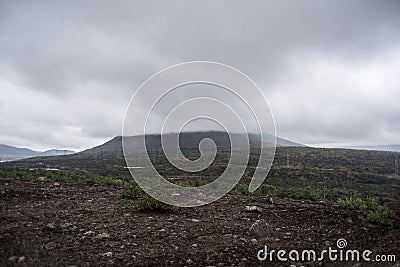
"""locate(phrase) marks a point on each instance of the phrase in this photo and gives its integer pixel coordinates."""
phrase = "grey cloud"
(55, 45)
(92, 55)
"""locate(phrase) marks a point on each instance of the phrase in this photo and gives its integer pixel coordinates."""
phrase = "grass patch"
(376, 213)
(140, 200)
(381, 215)
(358, 203)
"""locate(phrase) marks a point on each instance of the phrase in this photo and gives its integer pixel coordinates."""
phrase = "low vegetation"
(140, 200)
(62, 176)
(297, 173)
(376, 213)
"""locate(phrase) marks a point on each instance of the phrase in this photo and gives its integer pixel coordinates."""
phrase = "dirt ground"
(64, 224)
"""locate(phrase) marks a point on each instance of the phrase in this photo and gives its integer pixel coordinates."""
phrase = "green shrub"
(185, 183)
(266, 190)
(352, 203)
(191, 182)
(377, 213)
(342, 192)
(140, 200)
(382, 215)
(146, 202)
(359, 203)
(242, 188)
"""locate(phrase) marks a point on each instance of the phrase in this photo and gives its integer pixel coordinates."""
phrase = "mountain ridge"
(8, 153)
(187, 140)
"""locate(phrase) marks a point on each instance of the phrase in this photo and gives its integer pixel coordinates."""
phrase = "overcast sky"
(329, 69)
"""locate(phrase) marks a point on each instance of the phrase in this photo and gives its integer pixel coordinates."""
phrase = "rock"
(68, 226)
(107, 254)
(102, 236)
(21, 259)
(253, 209)
(56, 184)
(349, 220)
(50, 245)
(89, 233)
(195, 220)
(189, 261)
(51, 226)
(270, 200)
(195, 245)
(260, 229)
(41, 178)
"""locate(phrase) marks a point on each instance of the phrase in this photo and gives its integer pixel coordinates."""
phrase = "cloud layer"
(328, 68)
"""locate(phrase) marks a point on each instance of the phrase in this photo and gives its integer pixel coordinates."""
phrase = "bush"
(140, 200)
(382, 215)
(377, 213)
(359, 203)
(266, 190)
(146, 202)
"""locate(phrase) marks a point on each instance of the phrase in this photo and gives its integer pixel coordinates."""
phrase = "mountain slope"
(55, 152)
(10, 152)
(186, 140)
(14, 153)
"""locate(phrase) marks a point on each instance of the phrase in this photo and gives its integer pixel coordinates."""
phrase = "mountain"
(393, 148)
(55, 152)
(285, 142)
(186, 139)
(8, 153)
(11, 153)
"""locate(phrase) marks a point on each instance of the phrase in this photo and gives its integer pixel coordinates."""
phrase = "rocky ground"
(64, 224)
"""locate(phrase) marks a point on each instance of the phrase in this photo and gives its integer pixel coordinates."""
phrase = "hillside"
(188, 140)
(81, 208)
(8, 153)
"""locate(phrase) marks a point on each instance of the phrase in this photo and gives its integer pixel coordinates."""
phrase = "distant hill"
(187, 140)
(8, 153)
(55, 152)
(393, 148)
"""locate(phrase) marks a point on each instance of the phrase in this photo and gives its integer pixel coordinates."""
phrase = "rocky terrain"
(70, 224)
